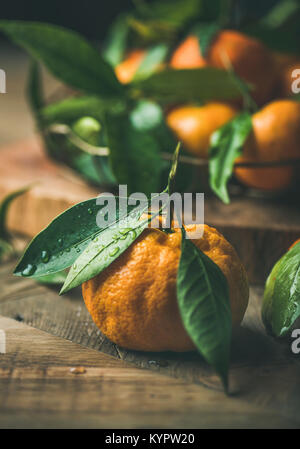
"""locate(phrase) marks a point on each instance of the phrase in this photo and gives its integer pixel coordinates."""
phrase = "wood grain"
(38, 388)
(264, 375)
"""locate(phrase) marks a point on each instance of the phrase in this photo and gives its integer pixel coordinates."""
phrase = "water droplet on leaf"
(114, 251)
(45, 256)
(29, 270)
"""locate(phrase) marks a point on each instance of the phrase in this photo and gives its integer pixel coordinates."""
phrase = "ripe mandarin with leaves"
(134, 301)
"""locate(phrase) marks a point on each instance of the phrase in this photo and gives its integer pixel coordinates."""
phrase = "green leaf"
(148, 116)
(226, 146)
(203, 299)
(134, 155)
(4, 206)
(154, 58)
(116, 42)
(34, 88)
(281, 304)
(207, 83)
(53, 279)
(6, 249)
(296, 97)
(67, 55)
(71, 109)
(60, 243)
(100, 253)
(174, 12)
(205, 32)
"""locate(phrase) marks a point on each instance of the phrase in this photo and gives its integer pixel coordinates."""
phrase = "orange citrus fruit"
(275, 137)
(250, 59)
(294, 244)
(194, 125)
(188, 55)
(134, 302)
(126, 70)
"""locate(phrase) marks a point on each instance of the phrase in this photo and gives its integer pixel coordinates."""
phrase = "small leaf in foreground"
(226, 146)
(281, 304)
(53, 279)
(4, 206)
(203, 299)
(61, 242)
(103, 250)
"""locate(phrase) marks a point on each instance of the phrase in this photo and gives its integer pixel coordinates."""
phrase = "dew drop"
(125, 231)
(95, 239)
(133, 235)
(29, 270)
(60, 242)
(90, 211)
(78, 250)
(68, 250)
(45, 256)
(74, 266)
(114, 251)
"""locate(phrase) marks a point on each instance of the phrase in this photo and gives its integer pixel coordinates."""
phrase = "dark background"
(92, 17)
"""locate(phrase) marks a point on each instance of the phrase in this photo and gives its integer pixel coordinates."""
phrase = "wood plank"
(263, 373)
(39, 389)
(54, 187)
(260, 229)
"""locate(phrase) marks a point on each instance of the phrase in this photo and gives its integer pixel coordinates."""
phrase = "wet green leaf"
(203, 299)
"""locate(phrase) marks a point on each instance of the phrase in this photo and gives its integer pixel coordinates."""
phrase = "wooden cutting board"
(264, 375)
(260, 229)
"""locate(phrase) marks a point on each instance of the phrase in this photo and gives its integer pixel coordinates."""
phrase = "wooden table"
(69, 375)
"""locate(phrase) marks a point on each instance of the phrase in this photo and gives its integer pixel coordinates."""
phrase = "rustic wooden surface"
(261, 230)
(175, 390)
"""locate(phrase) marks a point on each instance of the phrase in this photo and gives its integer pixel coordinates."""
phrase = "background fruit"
(194, 125)
(134, 301)
(251, 60)
(275, 137)
(188, 55)
(126, 70)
